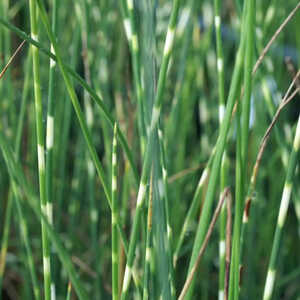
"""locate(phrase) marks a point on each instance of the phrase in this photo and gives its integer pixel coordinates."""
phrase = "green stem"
(284, 204)
(45, 205)
(114, 217)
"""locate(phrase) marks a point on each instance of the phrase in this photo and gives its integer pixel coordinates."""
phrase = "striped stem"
(284, 204)
(46, 206)
(223, 171)
(114, 216)
(50, 134)
(148, 244)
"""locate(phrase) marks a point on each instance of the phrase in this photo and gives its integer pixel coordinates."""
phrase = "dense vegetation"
(149, 149)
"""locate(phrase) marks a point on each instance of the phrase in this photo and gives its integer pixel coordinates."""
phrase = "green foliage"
(121, 124)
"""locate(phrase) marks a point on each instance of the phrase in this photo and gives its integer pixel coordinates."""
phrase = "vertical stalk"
(242, 148)
(114, 216)
(223, 171)
(148, 254)
(45, 205)
(50, 135)
(284, 204)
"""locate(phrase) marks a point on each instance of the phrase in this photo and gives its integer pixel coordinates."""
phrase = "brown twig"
(11, 59)
(265, 138)
(280, 28)
(291, 68)
(204, 245)
(184, 172)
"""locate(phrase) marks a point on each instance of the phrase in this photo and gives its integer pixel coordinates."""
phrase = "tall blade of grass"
(17, 175)
(224, 170)
(114, 216)
(45, 204)
(50, 136)
(242, 148)
(286, 195)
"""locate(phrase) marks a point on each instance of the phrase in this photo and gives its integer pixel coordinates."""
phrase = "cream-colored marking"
(128, 29)
(89, 115)
(297, 137)
(148, 254)
(34, 37)
(141, 194)
(222, 248)
(135, 45)
(53, 294)
(52, 61)
(94, 215)
(130, 4)
(245, 218)
(91, 168)
(155, 116)
(169, 41)
(49, 209)
(169, 230)
(114, 184)
(221, 295)
(287, 190)
(113, 219)
(203, 177)
(41, 158)
(127, 278)
(269, 284)
(46, 261)
(114, 158)
(164, 172)
(217, 21)
(220, 64)
(50, 132)
(160, 134)
(221, 112)
(270, 14)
